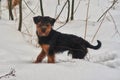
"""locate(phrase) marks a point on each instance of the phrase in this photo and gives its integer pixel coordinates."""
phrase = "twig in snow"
(11, 73)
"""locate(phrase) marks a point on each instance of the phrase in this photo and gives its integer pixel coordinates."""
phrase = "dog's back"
(53, 42)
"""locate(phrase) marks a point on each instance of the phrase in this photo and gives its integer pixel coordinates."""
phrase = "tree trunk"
(20, 16)
(72, 10)
(41, 8)
(0, 10)
(10, 10)
(68, 14)
(58, 2)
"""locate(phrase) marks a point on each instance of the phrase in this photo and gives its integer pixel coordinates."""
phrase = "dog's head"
(43, 24)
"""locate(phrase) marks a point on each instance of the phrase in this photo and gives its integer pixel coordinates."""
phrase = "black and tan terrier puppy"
(53, 42)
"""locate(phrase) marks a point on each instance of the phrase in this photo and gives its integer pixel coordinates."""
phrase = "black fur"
(60, 42)
(44, 20)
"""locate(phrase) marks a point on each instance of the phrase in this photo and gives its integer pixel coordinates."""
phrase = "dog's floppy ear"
(36, 19)
(52, 21)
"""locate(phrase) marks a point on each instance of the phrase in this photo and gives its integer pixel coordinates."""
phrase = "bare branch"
(62, 26)
(98, 28)
(11, 73)
(77, 7)
(114, 1)
(61, 10)
(67, 15)
(29, 7)
(114, 23)
(86, 20)
(31, 12)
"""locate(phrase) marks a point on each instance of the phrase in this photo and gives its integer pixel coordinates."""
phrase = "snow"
(103, 64)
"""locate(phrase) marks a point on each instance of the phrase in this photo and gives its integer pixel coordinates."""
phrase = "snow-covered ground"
(103, 64)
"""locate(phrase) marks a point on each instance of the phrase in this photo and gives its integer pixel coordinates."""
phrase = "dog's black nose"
(43, 28)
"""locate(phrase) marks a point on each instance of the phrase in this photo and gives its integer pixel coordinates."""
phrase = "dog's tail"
(94, 47)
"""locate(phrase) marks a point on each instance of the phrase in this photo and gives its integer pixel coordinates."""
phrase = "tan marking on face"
(41, 32)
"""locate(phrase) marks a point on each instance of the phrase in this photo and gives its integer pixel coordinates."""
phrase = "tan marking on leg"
(51, 58)
(45, 47)
(43, 53)
(40, 57)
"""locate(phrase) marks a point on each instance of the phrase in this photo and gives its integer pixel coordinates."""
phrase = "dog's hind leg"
(78, 54)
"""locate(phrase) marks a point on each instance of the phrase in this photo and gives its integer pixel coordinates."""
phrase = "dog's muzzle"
(43, 28)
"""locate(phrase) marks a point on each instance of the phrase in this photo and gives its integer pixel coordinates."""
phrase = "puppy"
(53, 42)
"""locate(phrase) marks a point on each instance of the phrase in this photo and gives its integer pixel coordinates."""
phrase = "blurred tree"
(41, 8)
(68, 14)
(20, 16)
(58, 2)
(0, 9)
(10, 10)
(72, 10)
